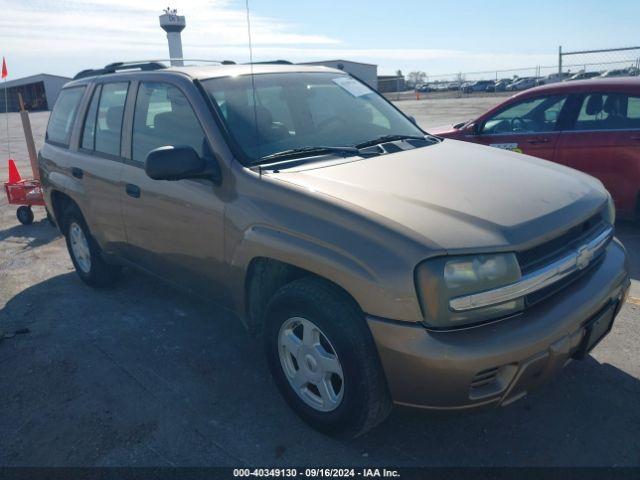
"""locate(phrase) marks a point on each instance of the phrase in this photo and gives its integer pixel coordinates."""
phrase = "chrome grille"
(572, 261)
(535, 257)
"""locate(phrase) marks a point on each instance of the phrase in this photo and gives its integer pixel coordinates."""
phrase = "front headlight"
(610, 212)
(442, 279)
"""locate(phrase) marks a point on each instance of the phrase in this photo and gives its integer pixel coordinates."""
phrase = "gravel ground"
(143, 375)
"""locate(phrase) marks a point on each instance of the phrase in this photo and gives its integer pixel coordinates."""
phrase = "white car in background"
(582, 75)
(553, 78)
(621, 72)
(523, 84)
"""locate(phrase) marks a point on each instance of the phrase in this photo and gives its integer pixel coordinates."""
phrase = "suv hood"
(457, 195)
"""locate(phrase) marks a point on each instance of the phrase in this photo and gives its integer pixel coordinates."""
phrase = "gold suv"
(380, 264)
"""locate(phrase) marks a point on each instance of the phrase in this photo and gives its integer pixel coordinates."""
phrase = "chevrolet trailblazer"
(378, 263)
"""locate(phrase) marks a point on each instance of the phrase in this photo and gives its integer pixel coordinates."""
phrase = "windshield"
(301, 110)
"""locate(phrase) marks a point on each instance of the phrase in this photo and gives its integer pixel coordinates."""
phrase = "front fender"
(384, 293)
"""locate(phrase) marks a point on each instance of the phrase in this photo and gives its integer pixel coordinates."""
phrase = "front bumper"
(497, 363)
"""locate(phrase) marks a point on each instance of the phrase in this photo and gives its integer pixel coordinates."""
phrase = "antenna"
(253, 82)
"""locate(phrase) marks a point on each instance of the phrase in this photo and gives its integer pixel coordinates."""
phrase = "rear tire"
(85, 252)
(25, 215)
(50, 220)
(358, 392)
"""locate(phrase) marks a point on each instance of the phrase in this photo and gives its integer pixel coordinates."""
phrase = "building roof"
(32, 79)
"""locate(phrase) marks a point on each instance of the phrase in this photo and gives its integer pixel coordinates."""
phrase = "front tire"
(323, 358)
(85, 252)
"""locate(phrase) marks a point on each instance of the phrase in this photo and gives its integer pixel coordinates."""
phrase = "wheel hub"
(311, 363)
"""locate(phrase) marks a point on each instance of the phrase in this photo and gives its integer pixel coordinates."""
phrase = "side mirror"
(471, 129)
(178, 163)
(413, 119)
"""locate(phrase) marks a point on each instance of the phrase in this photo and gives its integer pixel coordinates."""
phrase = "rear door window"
(108, 126)
(609, 111)
(89, 129)
(63, 115)
(633, 109)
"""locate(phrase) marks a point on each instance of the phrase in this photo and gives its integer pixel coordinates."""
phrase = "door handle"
(635, 137)
(132, 190)
(537, 141)
(77, 172)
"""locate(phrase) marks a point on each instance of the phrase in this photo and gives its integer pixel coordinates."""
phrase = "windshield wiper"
(389, 138)
(295, 152)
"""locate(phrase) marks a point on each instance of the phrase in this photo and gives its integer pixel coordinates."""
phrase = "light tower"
(173, 24)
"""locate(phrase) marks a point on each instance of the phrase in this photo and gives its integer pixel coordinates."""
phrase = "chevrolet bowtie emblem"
(584, 257)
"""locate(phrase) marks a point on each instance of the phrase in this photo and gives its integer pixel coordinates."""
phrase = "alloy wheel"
(311, 364)
(80, 247)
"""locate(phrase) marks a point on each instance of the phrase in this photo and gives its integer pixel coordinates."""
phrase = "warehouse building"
(391, 83)
(39, 92)
(366, 72)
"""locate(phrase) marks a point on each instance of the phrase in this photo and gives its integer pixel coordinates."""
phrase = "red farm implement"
(25, 193)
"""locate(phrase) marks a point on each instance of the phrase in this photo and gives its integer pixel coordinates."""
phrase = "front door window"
(163, 116)
(533, 115)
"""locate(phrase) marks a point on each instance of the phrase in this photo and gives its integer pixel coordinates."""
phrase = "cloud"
(69, 35)
(433, 61)
(119, 22)
(126, 29)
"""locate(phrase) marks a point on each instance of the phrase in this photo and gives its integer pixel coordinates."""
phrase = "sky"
(65, 36)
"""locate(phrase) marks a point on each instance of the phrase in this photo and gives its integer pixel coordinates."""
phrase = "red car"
(590, 125)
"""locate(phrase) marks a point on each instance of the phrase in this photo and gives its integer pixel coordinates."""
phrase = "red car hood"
(444, 131)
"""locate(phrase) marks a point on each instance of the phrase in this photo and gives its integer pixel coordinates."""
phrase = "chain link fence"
(572, 65)
(612, 62)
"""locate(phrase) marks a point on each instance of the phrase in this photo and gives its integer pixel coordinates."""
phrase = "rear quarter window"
(63, 115)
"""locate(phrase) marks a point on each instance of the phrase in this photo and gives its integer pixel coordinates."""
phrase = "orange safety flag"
(4, 68)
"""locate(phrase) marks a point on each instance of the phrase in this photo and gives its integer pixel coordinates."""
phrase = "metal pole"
(6, 114)
(560, 59)
(28, 136)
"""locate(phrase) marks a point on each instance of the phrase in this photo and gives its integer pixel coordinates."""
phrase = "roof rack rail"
(271, 62)
(200, 60)
(154, 64)
(118, 66)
